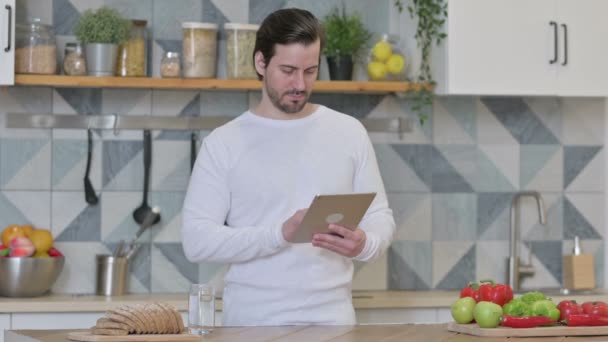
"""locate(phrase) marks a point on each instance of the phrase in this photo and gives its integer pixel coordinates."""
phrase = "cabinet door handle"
(554, 24)
(565, 27)
(10, 24)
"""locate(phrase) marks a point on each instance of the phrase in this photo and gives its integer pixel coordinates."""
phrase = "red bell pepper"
(567, 308)
(578, 320)
(500, 294)
(525, 321)
(596, 308)
(53, 252)
(471, 290)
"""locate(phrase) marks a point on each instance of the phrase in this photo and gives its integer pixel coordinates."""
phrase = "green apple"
(462, 310)
(487, 314)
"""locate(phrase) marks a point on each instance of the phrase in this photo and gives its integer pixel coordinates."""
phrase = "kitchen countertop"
(361, 300)
(393, 332)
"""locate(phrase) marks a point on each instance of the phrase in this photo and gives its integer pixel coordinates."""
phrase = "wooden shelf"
(62, 81)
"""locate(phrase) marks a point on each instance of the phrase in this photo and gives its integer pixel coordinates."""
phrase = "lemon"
(376, 70)
(42, 240)
(382, 51)
(41, 255)
(395, 64)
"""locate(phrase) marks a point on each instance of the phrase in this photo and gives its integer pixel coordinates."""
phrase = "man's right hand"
(290, 227)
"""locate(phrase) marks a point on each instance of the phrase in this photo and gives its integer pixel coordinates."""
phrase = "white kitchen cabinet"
(523, 47)
(5, 324)
(7, 42)
(54, 320)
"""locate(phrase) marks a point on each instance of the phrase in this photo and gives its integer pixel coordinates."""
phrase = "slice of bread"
(158, 314)
(176, 316)
(104, 322)
(127, 312)
(168, 317)
(139, 311)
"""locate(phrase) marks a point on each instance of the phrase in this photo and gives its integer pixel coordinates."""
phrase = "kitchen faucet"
(515, 269)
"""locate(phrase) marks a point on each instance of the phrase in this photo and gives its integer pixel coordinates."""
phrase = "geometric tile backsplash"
(449, 182)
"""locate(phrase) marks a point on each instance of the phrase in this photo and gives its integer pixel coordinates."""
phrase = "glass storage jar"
(35, 52)
(386, 61)
(132, 53)
(240, 42)
(170, 65)
(199, 49)
(74, 63)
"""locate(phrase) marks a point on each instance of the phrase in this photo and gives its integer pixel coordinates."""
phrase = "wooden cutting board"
(86, 336)
(474, 329)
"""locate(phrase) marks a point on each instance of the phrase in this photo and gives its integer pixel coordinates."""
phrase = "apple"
(487, 314)
(21, 247)
(4, 251)
(462, 310)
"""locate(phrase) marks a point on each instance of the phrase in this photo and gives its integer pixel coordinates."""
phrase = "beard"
(289, 107)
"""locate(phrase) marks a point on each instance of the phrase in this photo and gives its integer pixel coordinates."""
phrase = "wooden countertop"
(394, 332)
(361, 300)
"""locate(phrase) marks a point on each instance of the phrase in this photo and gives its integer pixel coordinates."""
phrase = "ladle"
(144, 209)
(89, 192)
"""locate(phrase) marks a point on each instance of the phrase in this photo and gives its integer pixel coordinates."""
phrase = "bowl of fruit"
(29, 264)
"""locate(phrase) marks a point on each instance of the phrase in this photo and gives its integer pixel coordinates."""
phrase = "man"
(258, 171)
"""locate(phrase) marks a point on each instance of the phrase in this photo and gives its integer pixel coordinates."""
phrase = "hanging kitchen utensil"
(140, 213)
(151, 218)
(193, 139)
(119, 248)
(89, 192)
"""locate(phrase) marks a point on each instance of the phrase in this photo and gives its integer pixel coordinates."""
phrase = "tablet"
(345, 210)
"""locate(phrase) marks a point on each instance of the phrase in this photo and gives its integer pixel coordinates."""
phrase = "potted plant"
(101, 32)
(431, 16)
(345, 39)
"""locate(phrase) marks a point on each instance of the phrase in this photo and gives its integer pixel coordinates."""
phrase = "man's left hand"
(349, 243)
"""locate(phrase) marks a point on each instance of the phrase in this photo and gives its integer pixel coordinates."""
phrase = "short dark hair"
(287, 26)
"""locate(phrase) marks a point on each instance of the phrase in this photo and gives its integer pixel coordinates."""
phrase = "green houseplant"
(101, 31)
(345, 39)
(431, 15)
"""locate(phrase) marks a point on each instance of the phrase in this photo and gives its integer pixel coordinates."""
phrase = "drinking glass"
(201, 309)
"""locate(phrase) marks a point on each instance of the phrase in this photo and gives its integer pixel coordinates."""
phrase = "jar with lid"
(199, 49)
(132, 53)
(386, 60)
(240, 42)
(170, 65)
(35, 49)
(74, 63)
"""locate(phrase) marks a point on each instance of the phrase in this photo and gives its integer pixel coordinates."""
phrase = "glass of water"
(201, 309)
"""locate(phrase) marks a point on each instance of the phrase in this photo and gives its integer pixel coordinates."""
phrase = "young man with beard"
(255, 177)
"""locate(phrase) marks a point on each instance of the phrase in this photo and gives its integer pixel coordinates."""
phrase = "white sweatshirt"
(253, 173)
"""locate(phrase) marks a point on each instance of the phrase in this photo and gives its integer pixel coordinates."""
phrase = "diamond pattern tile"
(449, 182)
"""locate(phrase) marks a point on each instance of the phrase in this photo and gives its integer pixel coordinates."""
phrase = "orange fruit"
(42, 240)
(27, 229)
(10, 232)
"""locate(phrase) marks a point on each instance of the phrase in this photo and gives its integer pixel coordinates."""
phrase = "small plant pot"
(101, 59)
(340, 68)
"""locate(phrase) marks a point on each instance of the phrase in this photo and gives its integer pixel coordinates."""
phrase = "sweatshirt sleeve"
(378, 223)
(205, 237)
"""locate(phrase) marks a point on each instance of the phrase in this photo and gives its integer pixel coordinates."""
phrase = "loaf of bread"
(149, 318)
